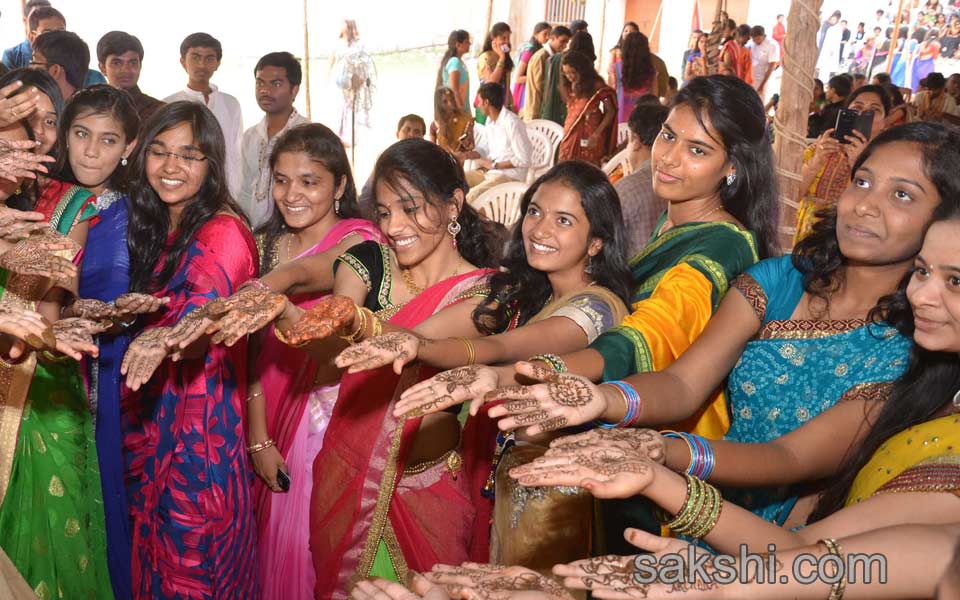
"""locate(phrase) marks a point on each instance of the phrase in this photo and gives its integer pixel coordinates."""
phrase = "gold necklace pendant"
(411, 285)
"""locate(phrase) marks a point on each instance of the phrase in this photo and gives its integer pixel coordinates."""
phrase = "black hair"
(149, 220)
(935, 81)
(578, 25)
(456, 37)
(42, 81)
(638, 66)
(66, 49)
(582, 42)
(672, 83)
(757, 30)
(414, 118)
(841, 84)
(882, 78)
(29, 5)
(871, 89)
(435, 173)
(817, 256)
(441, 115)
(492, 93)
(619, 43)
(285, 61)
(588, 78)
(323, 146)
(538, 28)
(743, 30)
(100, 100)
(730, 24)
(115, 43)
(497, 30)
(519, 289)
(646, 121)
(561, 31)
(896, 96)
(200, 40)
(41, 13)
(736, 113)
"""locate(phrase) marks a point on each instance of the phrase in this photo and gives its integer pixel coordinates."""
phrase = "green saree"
(51, 515)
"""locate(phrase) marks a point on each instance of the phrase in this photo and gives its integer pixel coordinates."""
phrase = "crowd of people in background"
(230, 369)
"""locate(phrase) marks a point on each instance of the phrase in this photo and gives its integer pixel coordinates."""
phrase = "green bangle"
(556, 363)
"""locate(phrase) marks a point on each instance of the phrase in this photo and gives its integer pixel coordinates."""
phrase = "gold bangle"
(376, 328)
(839, 587)
(361, 320)
(255, 395)
(260, 447)
(50, 357)
(283, 338)
(471, 351)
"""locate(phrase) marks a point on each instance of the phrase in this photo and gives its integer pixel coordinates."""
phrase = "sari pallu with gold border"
(825, 189)
(922, 458)
(371, 512)
(51, 517)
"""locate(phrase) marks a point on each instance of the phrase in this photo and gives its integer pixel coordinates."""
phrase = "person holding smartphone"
(826, 163)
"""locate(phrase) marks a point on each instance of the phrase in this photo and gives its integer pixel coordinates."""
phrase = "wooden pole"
(896, 37)
(306, 60)
(713, 40)
(489, 18)
(790, 123)
(603, 30)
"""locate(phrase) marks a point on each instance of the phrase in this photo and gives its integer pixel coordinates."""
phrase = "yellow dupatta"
(923, 458)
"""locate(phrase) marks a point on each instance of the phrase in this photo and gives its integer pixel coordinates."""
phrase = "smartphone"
(283, 480)
(849, 121)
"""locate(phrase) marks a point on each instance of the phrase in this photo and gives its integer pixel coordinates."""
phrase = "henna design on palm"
(90, 308)
(244, 313)
(328, 317)
(33, 257)
(78, 329)
(570, 391)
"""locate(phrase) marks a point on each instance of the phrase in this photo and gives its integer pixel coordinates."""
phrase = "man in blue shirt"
(19, 55)
(40, 20)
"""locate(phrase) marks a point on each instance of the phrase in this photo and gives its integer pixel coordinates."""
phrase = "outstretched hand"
(398, 348)
(16, 225)
(34, 257)
(27, 328)
(604, 472)
(464, 384)
(246, 312)
(333, 315)
(75, 336)
(144, 355)
(494, 582)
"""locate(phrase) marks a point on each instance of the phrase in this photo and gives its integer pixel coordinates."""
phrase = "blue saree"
(794, 369)
(104, 275)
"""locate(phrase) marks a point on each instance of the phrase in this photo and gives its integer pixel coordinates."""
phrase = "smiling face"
(122, 70)
(43, 121)
(934, 289)
(414, 227)
(882, 215)
(275, 95)
(556, 231)
(572, 75)
(688, 161)
(305, 191)
(95, 145)
(176, 179)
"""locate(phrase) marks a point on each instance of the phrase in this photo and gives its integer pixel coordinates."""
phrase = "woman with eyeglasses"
(188, 475)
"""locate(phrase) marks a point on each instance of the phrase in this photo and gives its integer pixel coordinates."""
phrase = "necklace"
(415, 289)
(718, 208)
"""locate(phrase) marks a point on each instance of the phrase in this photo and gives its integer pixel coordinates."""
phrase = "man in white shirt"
(200, 55)
(277, 77)
(502, 147)
(765, 55)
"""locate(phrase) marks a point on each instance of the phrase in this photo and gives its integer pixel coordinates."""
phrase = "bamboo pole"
(896, 38)
(603, 30)
(790, 123)
(306, 60)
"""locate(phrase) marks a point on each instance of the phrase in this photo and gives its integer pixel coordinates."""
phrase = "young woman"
(904, 469)
(495, 65)
(453, 73)
(452, 127)
(51, 517)
(590, 130)
(541, 32)
(817, 329)
(316, 213)
(187, 470)
(99, 130)
(633, 75)
(615, 52)
(696, 65)
(566, 283)
(827, 163)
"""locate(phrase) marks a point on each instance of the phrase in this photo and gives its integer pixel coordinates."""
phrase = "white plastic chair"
(623, 133)
(541, 159)
(620, 158)
(552, 131)
(501, 203)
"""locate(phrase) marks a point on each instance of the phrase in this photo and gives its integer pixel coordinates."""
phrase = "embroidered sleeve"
(936, 474)
(590, 313)
(751, 290)
(871, 392)
(360, 259)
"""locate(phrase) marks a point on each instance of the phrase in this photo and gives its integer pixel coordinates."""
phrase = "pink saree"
(297, 415)
(363, 500)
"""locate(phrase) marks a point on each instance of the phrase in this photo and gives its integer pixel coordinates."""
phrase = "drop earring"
(123, 161)
(731, 178)
(453, 228)
(336, 206)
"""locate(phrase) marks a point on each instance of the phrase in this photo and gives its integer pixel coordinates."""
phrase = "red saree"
(583, 119)
(362, 499)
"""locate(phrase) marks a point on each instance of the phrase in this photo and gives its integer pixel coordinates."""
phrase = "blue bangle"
(633, 403)
(702, 456)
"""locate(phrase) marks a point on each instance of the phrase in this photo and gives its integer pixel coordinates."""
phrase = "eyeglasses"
(36, 63)
(187, 160)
